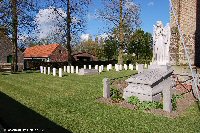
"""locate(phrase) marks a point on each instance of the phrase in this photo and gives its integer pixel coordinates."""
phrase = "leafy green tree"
(141, 45)
(110, 49)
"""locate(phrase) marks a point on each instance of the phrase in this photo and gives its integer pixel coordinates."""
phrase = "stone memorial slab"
(88, 71)
(148, 86)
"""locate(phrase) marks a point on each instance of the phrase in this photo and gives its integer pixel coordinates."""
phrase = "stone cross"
(106, 88)
(60, 72)
(54, 71)
(41, 69)
(49, 70)
(45, 70)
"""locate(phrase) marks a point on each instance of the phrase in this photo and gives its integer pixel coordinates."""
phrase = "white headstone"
(49, 70)
(117, 67)
(72, 69)
(45, 70)
(96, 67)
(125, 67)
(136, 66)
(84, 67)
(54, 71)
(90, 66)
(145, 66)
(108, 67)
(120, 67)
(60, 72)
(100, 69)
(41, 69)
(68, 69)
(77, 69)
(65, 69)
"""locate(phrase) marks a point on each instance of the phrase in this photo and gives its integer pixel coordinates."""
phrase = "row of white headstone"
(71, 69)
(68, 69)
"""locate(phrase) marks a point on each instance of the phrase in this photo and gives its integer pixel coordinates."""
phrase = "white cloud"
(91, 16)
(85, 37)
(151, 3)
(49, 22)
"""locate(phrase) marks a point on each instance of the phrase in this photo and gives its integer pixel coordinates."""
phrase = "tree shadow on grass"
(14, 115)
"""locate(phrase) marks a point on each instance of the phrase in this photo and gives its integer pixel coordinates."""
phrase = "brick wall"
(186, 11)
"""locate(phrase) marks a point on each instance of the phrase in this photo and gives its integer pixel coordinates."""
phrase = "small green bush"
(174, 101)
(115, 94)
(145, 105)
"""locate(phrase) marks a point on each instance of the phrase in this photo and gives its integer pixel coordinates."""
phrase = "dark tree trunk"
(121, 36)
(69, 33)
(14, 35)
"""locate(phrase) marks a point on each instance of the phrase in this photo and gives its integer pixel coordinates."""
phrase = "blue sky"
(151, 11)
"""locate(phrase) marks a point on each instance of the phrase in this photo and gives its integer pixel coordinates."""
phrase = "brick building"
(188, 13)
(46, 53)
(6, 52)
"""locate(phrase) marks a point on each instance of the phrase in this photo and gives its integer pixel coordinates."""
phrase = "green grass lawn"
(71, 103)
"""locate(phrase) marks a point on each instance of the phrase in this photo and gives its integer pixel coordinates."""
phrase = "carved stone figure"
(161, 41)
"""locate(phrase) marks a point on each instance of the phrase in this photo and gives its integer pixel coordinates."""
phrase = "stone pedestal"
(72, 69)
(167, 99)
(45, 70)
(54, 71)
(60, 72)
(49, 70)
(106, 88)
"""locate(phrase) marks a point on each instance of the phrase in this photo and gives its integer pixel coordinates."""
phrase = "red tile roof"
(40, 50)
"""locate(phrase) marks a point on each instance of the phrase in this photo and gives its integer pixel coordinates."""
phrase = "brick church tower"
(188, 14)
